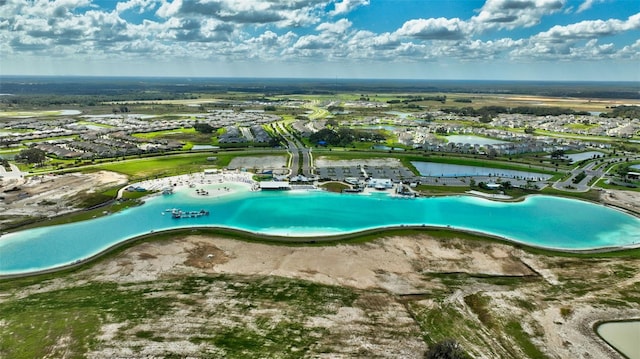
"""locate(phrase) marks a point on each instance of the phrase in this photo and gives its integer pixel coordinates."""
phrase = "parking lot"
(398, 173)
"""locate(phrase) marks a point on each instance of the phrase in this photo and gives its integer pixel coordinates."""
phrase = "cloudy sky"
(419, 39)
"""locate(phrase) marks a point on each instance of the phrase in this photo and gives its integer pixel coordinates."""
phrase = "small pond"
(204, 147)
(69, 112)
(387, 148)
(623, 336)
(474, 140)
(380, 127)
(577, 157)
(402, 115)
(432, 169)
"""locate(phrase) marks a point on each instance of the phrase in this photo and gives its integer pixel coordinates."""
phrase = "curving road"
(590, 171)
(301, 158)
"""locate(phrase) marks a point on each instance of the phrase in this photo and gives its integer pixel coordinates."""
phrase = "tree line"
(344, 136)
(492, 111)
(623, 112)
(43, 100)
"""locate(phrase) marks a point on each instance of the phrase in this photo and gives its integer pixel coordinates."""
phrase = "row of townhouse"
(236, 134)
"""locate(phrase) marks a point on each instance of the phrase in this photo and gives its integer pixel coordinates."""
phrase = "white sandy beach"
(200, 184)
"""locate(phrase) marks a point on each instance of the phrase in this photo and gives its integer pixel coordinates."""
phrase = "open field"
(160, 166)
(578, 104)
(477, 100)
(19, 114)
(481, 100)
(205, 296)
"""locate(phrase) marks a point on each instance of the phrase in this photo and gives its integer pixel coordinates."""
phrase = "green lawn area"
(174, 164)
(603, 183)
(580, 126)
(441, 190)
(591, 195)
(580, 137)
(152, 135)
(4, 114)
(94, 124)
(334, 186)
(160, 166)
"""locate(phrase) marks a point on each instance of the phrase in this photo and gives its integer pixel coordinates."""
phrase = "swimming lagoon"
(542, 221)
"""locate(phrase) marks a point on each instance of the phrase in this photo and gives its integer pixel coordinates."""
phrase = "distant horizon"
(323, 79)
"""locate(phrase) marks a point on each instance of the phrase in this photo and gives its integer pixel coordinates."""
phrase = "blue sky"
(417, 39)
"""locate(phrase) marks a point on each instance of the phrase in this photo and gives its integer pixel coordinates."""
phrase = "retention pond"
(623, 336)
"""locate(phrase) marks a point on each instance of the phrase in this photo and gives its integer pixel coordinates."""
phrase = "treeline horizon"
(156, 88)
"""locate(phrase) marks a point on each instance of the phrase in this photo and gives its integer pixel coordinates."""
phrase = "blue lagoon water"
(539, 221)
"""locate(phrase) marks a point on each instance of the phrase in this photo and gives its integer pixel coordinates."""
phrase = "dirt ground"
(400, 267)
(624, 199)
(401, 259)
(260, 163)
(49, 195)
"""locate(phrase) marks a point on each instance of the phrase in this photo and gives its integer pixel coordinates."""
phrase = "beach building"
(380, 183)
(275, 185)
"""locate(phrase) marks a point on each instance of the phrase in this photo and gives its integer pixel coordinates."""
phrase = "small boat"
(177, 214)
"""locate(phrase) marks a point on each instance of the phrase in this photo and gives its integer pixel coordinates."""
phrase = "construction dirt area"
(49, 195)
(400, 285)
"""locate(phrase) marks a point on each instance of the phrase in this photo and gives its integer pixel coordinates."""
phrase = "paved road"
(590, 171)
(14, 173)
(300, 155)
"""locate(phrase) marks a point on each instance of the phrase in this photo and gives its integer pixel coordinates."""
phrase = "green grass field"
(160, 166)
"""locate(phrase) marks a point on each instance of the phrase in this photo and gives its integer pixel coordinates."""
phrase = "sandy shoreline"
(200, 184)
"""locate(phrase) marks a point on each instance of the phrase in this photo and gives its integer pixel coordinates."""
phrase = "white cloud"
(346, 6)
(141, 5)
(313, 42)
(268, 45)
(435, 29)
(227, 31)
(579, 41)
(631, 52)
(587, 4)
(56, 8)
(510, 14)
(338, 27)
(591, 29)
(290, 13)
